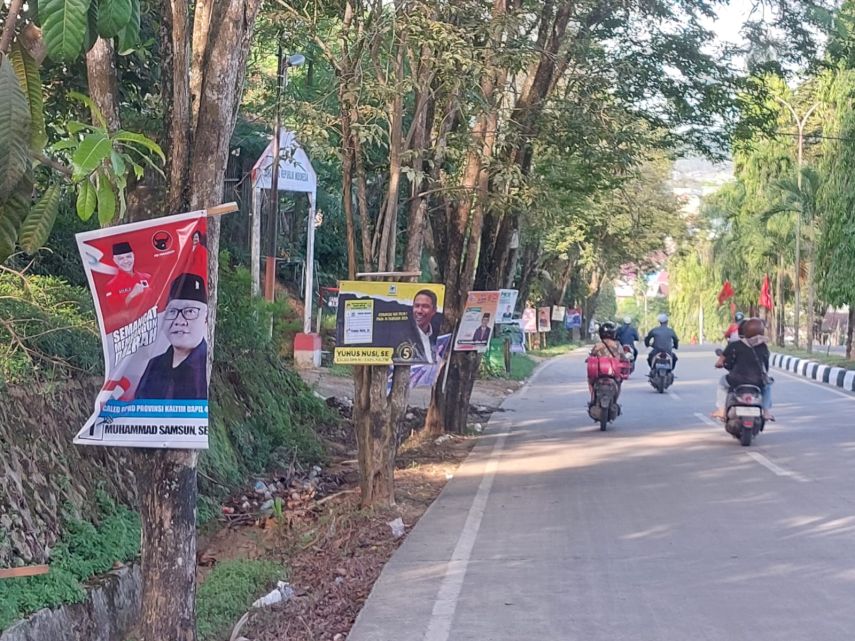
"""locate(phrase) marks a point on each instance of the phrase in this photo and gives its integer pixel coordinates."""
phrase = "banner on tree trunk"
(558, 313)
(573, 319)
(543, 319)
(507, 304)
(149, 281)
(385, 323)
(529, 320)
(476, 324)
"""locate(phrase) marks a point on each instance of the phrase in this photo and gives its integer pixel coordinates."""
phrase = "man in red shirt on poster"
(127, 292)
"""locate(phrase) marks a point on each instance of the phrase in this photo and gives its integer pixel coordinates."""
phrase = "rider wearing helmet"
(747, 363)
(628, 335)
(608, 347)
(662, 339)
(732, 332)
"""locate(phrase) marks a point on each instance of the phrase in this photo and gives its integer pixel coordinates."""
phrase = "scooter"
(607, 374)
(744, 412)
(632, 356)
(662, 372)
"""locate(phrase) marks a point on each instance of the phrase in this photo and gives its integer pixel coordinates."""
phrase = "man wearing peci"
(181, 371)
(482, 334)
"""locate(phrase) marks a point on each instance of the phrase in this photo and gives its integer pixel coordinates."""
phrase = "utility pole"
(800, 124)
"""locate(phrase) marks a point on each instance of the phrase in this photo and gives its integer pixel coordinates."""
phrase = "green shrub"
(229, 591)
(84, 550)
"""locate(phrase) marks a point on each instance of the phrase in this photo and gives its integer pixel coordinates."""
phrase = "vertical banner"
(573, 319)
(385, 323)
(507, 304)
(529, 320)
(558, 312)
(513, 331)
(476, 324)
(543, 322)
(149, 281)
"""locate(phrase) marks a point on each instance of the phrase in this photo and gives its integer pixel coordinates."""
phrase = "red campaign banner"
(149, 281)
(725, 293)
(766, 294)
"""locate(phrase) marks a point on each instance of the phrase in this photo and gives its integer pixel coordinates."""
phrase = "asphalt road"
(661, 529)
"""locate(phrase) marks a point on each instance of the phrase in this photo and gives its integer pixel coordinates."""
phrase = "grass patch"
(337, 369)
(493, 366)
(229, 591)
(554, 350)
(86, 549)
(818, 356)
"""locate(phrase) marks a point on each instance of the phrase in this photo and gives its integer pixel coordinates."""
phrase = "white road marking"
(674, 395)
(439, 627)
(825, 386)
(706, 419)
(775, 468)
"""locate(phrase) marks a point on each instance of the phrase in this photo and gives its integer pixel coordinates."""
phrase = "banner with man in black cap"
(151, 298)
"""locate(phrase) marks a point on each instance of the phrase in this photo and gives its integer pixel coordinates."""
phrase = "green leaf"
(63, 27)
(91, 25)
(106, 201)
(96, 112)
(27, 70)
(40, 220)
(139, 139)
(113, 15)
(75, 127)
(129, 37)
(118, 164)
(14, 130)
(94, 150)
(87, 199)
(12, 215)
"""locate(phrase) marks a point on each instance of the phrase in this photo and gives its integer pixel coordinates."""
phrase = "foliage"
(228, 591)
(694, 286)
(85, 549)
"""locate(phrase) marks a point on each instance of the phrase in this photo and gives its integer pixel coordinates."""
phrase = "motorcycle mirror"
(719, 352)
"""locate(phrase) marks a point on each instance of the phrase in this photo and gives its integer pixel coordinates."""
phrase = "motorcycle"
(744, 412)
(606, 375)
(662, 372)
(631, 355)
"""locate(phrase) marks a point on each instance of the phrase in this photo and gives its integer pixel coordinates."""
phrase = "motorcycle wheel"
(660, 385)
(745, 436)
(604, 420)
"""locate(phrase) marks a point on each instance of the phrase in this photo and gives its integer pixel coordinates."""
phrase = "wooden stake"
(220, 210)
(31, 570)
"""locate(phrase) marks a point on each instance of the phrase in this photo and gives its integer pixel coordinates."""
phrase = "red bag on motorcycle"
(607, 366)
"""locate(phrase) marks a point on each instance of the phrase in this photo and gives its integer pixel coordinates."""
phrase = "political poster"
(425, 375)
(385, 323)
(529, 320)
(476, 323)
(543, 322)
(558, 313)
(573, 319)
(507, 304)
(513, 331)
(149, 281)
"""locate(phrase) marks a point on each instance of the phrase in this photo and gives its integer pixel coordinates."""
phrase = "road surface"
(661, 529)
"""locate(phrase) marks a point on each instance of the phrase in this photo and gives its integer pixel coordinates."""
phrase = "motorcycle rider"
(731, 334)
(747, 363)
(607, 347)
(662, 339)
(628, 335)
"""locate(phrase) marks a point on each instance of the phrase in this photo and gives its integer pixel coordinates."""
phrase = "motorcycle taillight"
(749, 399)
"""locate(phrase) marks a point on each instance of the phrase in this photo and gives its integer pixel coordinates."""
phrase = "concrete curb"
(834, 376)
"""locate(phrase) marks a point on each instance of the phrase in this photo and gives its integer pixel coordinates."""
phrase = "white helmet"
(627, 320)
(663, 319)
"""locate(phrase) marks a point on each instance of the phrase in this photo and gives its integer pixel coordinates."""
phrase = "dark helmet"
(608, 330)
(738, 317)
(752, 327)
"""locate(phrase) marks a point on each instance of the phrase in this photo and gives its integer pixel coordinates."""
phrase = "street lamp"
(800, 124)
(282, 66)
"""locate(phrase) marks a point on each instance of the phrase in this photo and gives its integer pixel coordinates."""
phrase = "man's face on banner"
(423, 311)
(485, 321)
(125, 262)
(185, 323)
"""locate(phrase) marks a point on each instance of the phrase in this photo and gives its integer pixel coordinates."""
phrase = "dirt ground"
(333, 550)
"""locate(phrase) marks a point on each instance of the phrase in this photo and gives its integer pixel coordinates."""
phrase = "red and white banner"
(149, 281)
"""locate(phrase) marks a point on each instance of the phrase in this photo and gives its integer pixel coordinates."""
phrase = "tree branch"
(9, 26)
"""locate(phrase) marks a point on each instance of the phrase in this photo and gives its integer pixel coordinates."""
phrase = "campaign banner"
(507, 304)
(149, 281)
(529, 320)
(384, 323)
(558, 313)
(476, 324)
(513, 331)
(543, 323)
(573, 319)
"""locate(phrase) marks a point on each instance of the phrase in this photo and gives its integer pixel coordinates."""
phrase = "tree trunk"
(168, 496)
(449, 406)
(375, 419)
(850, 331)
(347, 192)
(175, 92)
(103, 81)
(779, 304)
(811, 313)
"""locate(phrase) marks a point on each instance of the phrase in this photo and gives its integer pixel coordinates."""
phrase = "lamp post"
(282, 66)
(800, 124)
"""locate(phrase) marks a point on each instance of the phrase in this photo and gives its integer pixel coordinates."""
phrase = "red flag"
(725, 293)
(766, 293)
